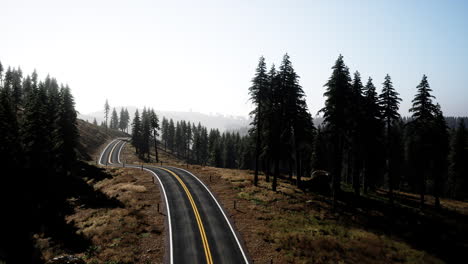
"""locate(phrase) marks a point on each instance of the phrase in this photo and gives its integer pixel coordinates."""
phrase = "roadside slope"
(92, 138)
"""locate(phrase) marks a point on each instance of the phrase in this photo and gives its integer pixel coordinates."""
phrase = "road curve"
(199, 229)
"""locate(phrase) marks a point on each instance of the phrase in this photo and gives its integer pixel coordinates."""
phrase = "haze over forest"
(182, 55)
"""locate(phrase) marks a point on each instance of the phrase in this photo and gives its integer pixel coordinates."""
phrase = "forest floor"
(294, 226)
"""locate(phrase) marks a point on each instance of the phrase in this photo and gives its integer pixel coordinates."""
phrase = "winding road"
(198, 227)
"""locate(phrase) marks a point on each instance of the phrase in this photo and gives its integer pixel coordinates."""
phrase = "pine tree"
(355, 132)
(188, 140)
(423, 116)
(67, 130)
(196, 130)
(127, 120)
(297, 124)
(271, 143)
(27, 88)
(154, 126)
(372, 134)
(203, 151)
(145, 133)
(389, 105)
(179, 138)
(114, 123)
(337, 106)
(164, 132)
(171, 131)
(258, 96)
(51, 100)
(9, 134)
(17, 94)
(137, 133)
(95, 122)
(35, 136)
(122, 119)
(106, 111)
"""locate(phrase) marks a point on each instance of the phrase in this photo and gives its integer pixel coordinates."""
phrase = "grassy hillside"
(92, 137)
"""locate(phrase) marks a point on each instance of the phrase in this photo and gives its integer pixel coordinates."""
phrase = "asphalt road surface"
(199, 229)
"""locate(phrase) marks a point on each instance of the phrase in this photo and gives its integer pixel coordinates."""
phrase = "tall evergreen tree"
(154, 126)
(337, 106)
(9, 131)
(137, 132)
(372, 134)
(389, 105)
(114, 123)
(258, 96)
(422, 126)
(165, 132)
(17, 90)
(297, 125)
(106, 111)
(67, 130)
(145, 133)
(122, 118)
(171, 131)
(356, 132)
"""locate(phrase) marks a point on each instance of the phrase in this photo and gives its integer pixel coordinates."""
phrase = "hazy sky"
(201, 55)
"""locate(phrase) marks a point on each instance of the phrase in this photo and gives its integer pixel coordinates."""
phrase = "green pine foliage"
(389, 105)
(114, 122)
(335, 113)
(39, 138)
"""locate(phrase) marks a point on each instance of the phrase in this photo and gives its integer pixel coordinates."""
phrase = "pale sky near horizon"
(201, 55)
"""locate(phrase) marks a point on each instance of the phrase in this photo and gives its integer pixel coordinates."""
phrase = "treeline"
(38, 135)
(198, 146)
(189, 142)
(145, 132)
(363, 141)
(117, 121)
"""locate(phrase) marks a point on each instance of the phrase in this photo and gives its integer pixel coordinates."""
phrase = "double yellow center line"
(206, 246)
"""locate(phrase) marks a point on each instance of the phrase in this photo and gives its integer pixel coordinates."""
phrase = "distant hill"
(221, 122)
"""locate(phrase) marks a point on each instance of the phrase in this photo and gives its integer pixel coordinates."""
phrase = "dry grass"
(131, 233)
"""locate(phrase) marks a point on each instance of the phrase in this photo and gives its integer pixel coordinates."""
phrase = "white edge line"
(102, 153)
(112, 151)
(171, 254)
(222, 211)
(118, 155)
